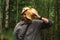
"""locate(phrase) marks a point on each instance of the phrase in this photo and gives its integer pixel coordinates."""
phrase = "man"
(29, 28)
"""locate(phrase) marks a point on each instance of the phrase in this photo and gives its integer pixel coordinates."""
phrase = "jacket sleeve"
(47, 25)
(18, 34)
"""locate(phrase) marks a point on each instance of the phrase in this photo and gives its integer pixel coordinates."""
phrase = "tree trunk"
(7, 13)
(3, 15)
(0, 15)
(57, 19)
(17, 11)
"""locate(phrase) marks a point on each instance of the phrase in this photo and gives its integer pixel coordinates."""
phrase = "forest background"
(10, 15)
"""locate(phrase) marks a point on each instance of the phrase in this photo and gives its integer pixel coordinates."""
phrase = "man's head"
(29, 13)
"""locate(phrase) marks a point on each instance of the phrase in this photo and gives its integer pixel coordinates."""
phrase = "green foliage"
(45, 8)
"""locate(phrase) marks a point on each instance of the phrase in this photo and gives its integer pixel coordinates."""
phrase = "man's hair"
(25, 9)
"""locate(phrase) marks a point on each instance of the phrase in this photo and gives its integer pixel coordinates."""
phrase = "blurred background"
(10, 15)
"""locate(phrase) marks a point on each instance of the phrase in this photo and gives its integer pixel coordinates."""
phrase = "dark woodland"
(10, 15)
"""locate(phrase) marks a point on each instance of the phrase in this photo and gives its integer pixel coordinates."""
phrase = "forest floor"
(6, 35)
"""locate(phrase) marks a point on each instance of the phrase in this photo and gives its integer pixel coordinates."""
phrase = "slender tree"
(17, 11)
(7, 13)
(3, 14)
(0, 14)
(57, 19)
(57, 8)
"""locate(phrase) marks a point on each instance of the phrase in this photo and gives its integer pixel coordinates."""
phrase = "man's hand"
(36, 16)
(35, 13)
(41, 18)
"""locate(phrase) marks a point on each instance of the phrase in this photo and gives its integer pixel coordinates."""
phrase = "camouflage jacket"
(33, 32)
